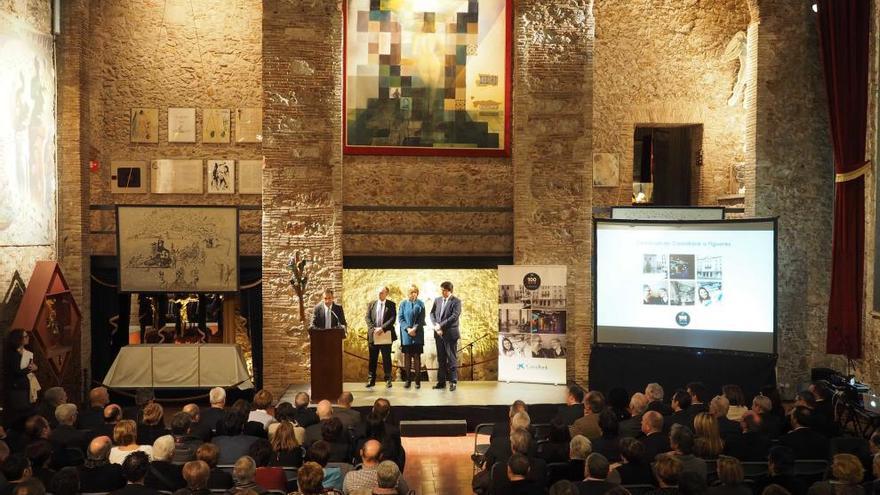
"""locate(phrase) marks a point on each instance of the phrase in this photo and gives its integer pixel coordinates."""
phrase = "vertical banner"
(531, 323)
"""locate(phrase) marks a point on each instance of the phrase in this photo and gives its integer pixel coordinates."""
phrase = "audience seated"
(754, 442)
(618, 402)
(212, 417)
(655, 440)
(565, 487)
(387, 479)
(596, 476)
(500, 448)
(334, 433)
(319, 453)
(655, 393)
(112, 415)
(16, 469)
(324, 410)
(846, 477)
(350, 418)
(124, 439)
(197, 427)
(233, 444)
(262, 409)
(39, 454)
(65, 435)
(682, 442)
(667, 471)
(517, 477)
(152, 424)
(185, 443)
(579, 448)
(196, 474)
(305, 416)
(573, 408)
(65, 482)
(520, 443)
(736, 399)
(503, 429)
(134, 470)
(555, 449)
(366, 477)
(52, 398)
(633, 468)
(218, 479)
(310, 478)
(691, 483)
(609, 443)
(35, 428)
(163, 474)
(731, 478)
(382, 407)
(770, 422)
(824, 409)
(269, 477)
(588, 424)
(780, 472)
(98, 474)
(142, 397)
(728, 428)
(699, 401)
(707, 443)
(93, 416)
(244, 472)
(681, 401)
(806, 442)
(286, 450)
(632, 426)
(285, 413)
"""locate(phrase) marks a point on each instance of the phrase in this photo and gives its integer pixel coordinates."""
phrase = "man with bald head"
(367, 478)
(655, 441)
(93, 417)
(350, 418)
(111, 415)
(97, 474)
(313, 432)
(198, 428)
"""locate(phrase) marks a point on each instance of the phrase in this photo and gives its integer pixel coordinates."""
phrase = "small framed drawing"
(128, 177)
(144, 125)
(249, 125)
(215, 125)
(176, 177)
(606, 170)
(250, 177)
(221, 176)
(181, 125)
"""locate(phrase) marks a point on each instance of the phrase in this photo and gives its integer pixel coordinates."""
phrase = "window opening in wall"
(665, 162)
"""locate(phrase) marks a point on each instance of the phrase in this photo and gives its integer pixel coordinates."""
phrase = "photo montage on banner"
(532, 344)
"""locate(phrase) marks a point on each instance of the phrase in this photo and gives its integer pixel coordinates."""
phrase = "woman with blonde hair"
(411, 316)
(731, 478)
(846, 477)
(152, 425)
(708, 443)
(125, 442)
(286, 450)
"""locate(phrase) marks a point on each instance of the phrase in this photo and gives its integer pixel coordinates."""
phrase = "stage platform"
(475, 402)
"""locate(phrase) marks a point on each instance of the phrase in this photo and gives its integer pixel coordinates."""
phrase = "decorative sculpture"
(737, 49)
(299, 280)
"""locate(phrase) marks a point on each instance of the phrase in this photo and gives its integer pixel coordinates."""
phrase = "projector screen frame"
(774, 221)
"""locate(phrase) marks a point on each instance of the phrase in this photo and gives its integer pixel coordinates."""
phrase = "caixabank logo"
(530, 366)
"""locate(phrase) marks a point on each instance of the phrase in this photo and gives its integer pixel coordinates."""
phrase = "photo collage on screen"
(532, 323)
(679, 279)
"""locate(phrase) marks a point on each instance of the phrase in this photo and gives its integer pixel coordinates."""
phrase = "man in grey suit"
(381, 316)
(445, 314)
(328, 314)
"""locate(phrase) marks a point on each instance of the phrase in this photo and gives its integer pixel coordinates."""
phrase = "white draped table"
(179, 366)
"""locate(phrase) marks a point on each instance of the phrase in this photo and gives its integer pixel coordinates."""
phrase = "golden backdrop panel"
(477, 289)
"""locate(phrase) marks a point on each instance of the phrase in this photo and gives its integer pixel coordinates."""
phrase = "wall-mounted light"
(815, 8)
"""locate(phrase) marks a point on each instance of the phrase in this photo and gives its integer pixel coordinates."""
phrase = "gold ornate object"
(51, 317)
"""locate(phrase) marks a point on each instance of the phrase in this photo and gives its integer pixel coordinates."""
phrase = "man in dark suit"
(719, 407)
(134, 470)
(520, 443)
(500, 446)
(699, 401)
(185, 443)
(350, 418)
(93, 417)
(752, 445)
(328, 314)
(823, 413)
(780, 468)
(503, 429)
(655, 394)
(199, 428)
(305, 416)
(806, 442)
(313, 432)
(518, 483)
(16, 469)
(66, 436)
(655, 440)
(98, 474)
(632, 426)
(596, 482)
(573, 408)
(445, 314)
(681, 401)
(381, 315)
(212, 417)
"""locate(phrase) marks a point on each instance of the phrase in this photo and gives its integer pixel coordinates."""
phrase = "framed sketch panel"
(177, 248)
(176, 177)
(249, 125)
(215, 125)
(606, 169)
(427, 78)
(181, 125)
(221, 176)
(250, 176)
(144, 125)
(128, 177)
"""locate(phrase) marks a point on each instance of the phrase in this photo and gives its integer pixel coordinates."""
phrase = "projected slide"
(706, 285)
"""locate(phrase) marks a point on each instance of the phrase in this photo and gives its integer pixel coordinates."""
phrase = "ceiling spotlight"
(816, 8)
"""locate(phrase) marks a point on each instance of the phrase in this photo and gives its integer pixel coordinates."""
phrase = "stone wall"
(662, 63)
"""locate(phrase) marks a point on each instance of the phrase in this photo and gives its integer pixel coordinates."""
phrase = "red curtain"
(843, 40)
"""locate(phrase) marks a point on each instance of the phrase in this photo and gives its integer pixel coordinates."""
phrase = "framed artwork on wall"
(249, 125)
(128, 177)
(427, 78)
(144, 125)
(215, 125)
(606, 169)
(221, 176)
(177, 248)
(250, 176)
(181, 125)
(176, 177)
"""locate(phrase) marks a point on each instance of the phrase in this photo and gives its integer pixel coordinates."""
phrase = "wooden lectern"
(326, 358)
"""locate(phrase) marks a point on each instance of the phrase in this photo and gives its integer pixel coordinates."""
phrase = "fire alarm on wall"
(94, 166)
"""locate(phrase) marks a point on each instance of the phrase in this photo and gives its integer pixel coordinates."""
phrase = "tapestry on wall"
(177, 248)
(427, 78)
(27, 135)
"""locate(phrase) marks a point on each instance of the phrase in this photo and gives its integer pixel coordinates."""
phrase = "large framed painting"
(177, 248)
(427, 77)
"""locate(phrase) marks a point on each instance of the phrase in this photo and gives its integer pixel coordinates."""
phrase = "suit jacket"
(594, 487)
(661, 407)
(729, 429)
(678, 418)
(570, 413)
(232, 447)
(66, 437)
(132, 489)
(525, 487)
(91, 418)
(447, 317)
(147, 434)
(212, 417)
(103, 478)
(793, 484)
(350, 418)
(220, 480)
(635, 473)
(337, 316)
(501, 483)
(692, 412)
(313, 434)
(389, 316)
(750, 446)
(806, 443)
(305, 416)
(655, 443)
(631, 427)
(164, 476)
(587, 426)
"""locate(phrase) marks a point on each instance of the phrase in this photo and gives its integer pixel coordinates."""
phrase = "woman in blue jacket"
(411, 315)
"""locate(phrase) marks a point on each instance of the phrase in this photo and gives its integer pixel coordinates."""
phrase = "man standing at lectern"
(445, 314)
(328, 314)
(381, 316)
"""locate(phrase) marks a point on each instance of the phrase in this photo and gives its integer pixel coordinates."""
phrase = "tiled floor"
(439, 465)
